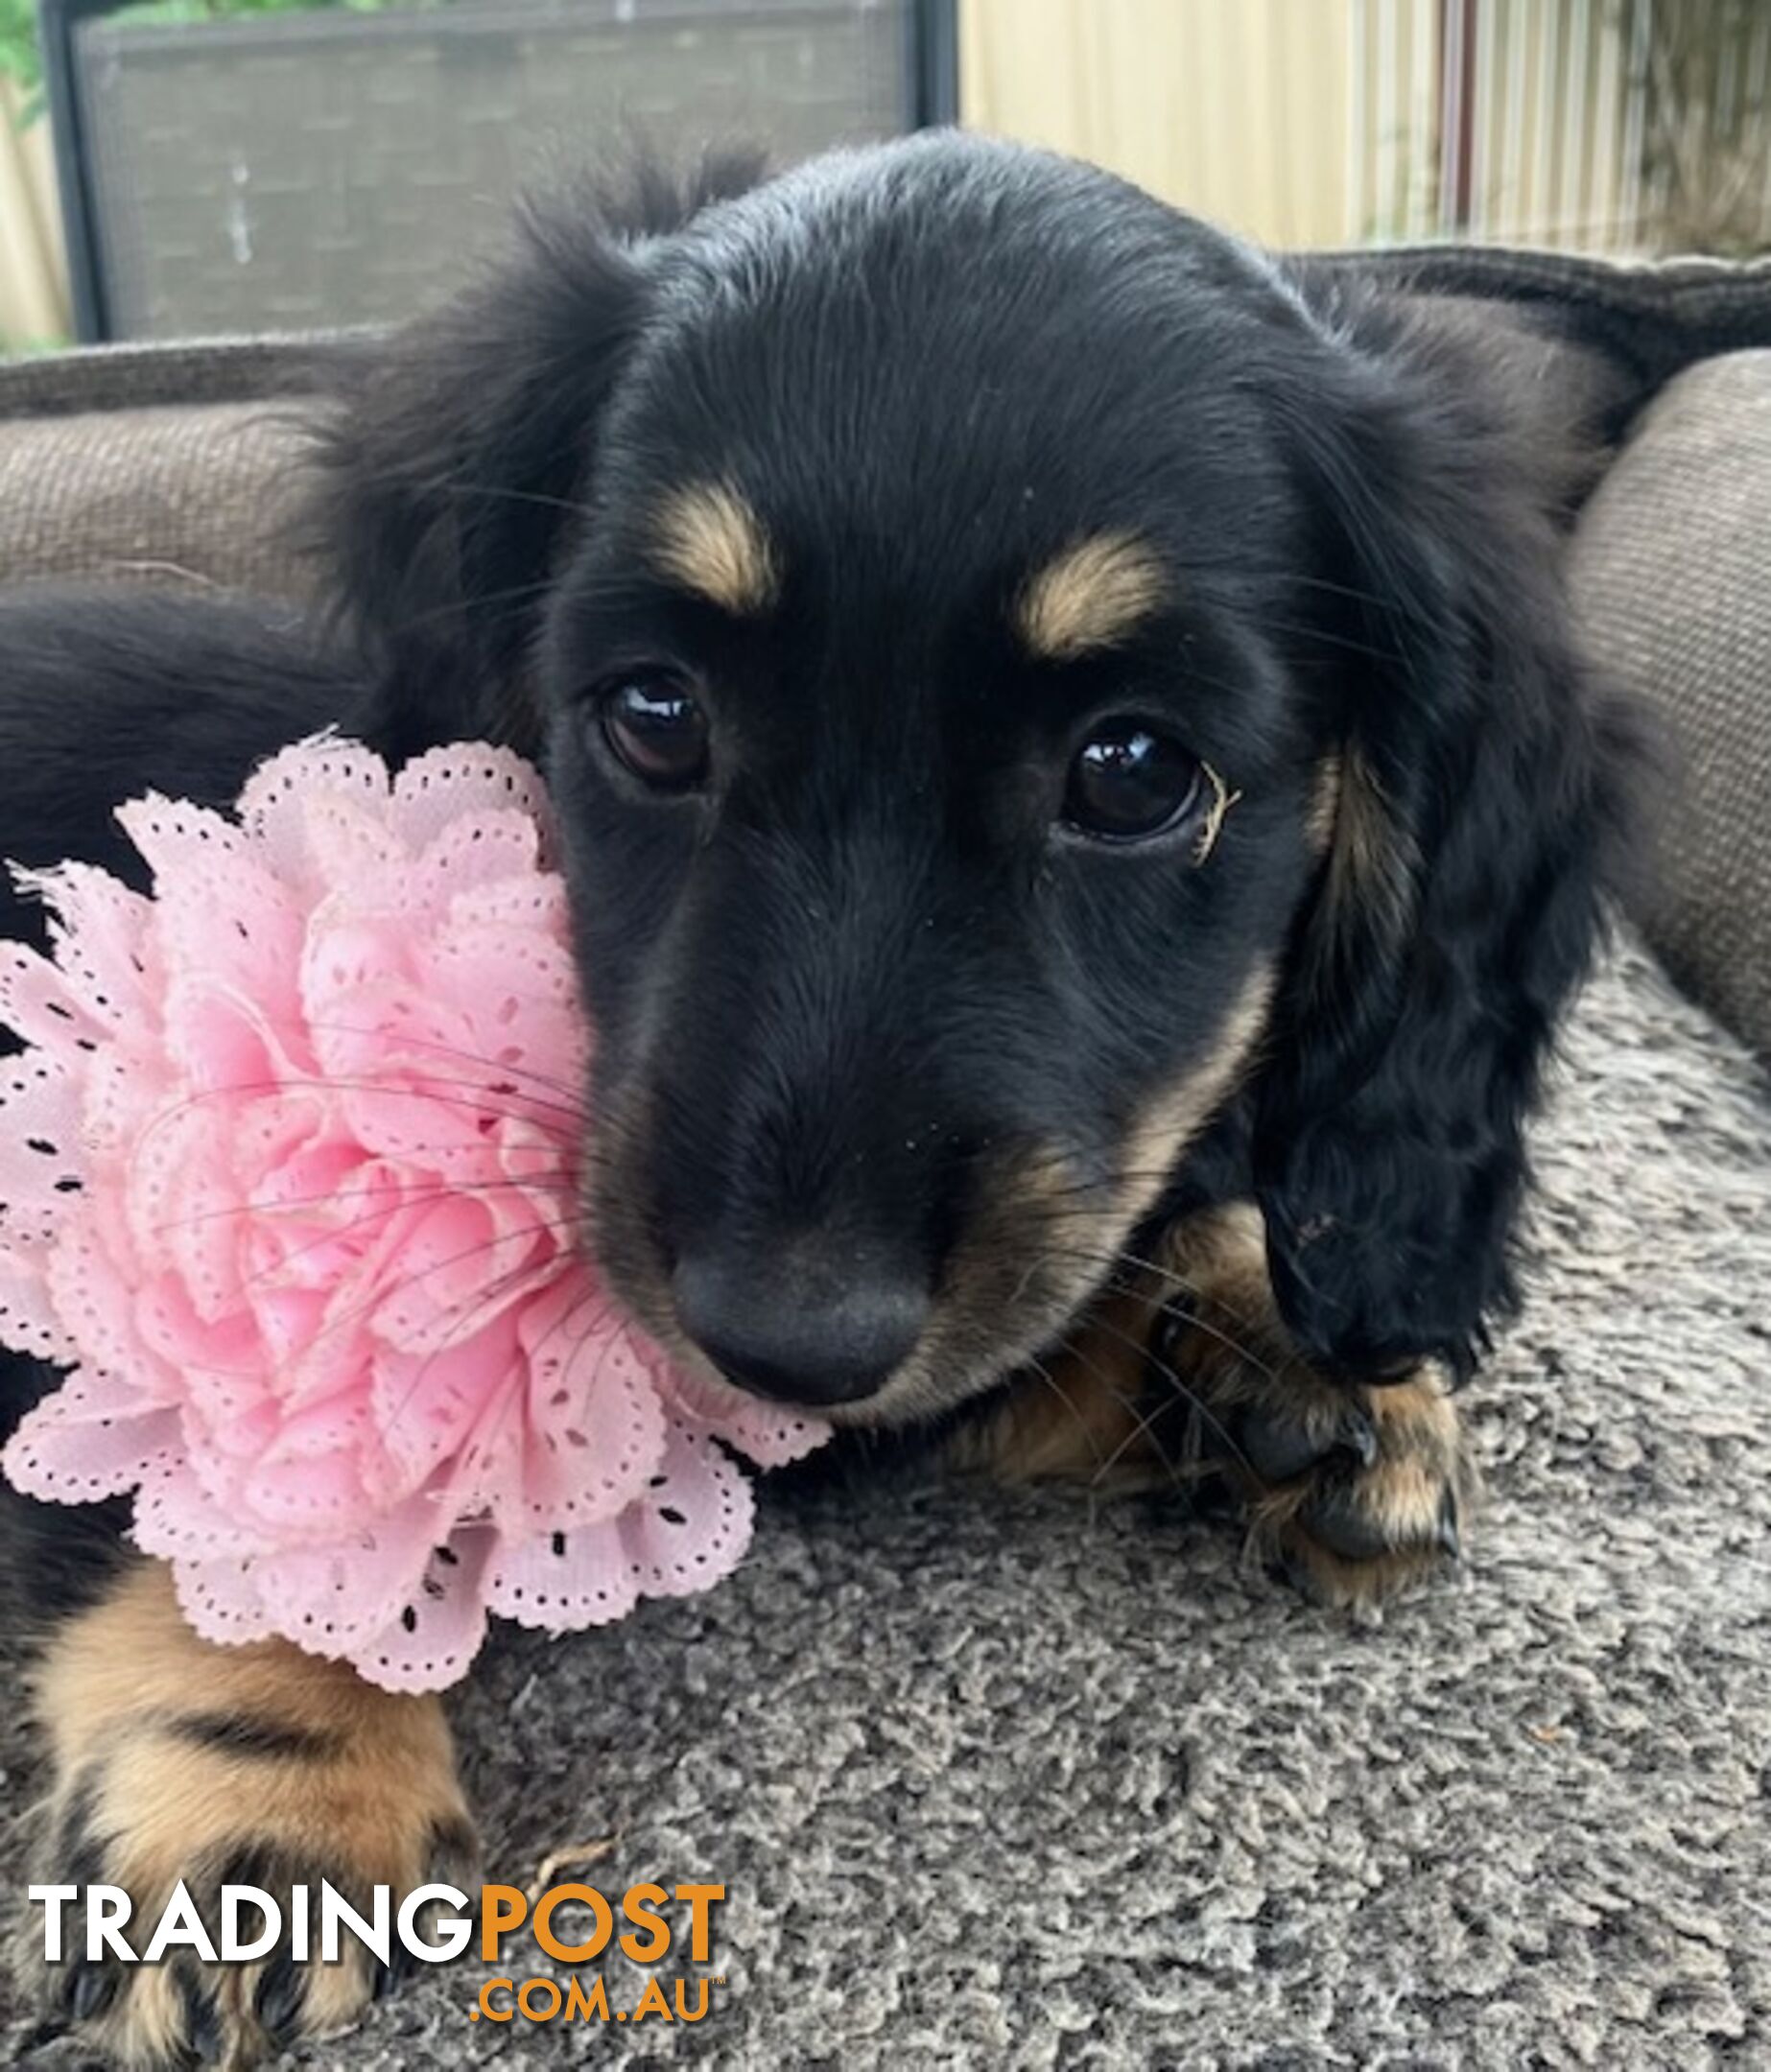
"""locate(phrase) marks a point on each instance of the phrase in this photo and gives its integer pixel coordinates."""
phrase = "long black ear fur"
(1483, 786)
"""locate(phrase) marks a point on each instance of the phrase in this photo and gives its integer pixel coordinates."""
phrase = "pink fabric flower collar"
(288, 1177)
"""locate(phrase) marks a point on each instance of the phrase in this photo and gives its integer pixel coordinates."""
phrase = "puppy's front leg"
(175, 1759)
(1355, 1489)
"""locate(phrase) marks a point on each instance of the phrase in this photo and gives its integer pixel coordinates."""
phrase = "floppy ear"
(458, 453)
(1475, 793)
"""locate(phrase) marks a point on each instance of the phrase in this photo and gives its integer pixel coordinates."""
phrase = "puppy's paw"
(1352, 1491)
(176, 1762)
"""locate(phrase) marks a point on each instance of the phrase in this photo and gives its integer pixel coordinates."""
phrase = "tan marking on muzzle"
(1048, 1234)
(1169, 1121)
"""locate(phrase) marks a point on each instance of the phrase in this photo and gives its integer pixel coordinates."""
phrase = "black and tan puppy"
(1082, 816)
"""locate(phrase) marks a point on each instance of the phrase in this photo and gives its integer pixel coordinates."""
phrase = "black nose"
(799, 1332)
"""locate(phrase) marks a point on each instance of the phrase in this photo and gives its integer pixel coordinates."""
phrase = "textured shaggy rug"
(1006, 1781)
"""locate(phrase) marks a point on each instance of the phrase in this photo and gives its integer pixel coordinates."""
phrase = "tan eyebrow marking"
(708, 538)
(1089, 595)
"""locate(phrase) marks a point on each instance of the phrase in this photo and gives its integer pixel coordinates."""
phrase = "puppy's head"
(1014, 684)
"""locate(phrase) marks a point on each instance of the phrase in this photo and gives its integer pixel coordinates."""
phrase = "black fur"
(839, 991)
(929, 371)
(105, 694)
(1389, 1152)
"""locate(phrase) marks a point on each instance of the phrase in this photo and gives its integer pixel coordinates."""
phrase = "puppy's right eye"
(1130, 782)
(657, 727)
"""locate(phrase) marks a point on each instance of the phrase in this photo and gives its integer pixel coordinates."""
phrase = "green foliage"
(19, 58)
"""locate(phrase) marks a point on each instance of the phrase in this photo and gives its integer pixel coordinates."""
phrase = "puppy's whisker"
(1146, 1430)
(1045, 1375)
(1388, 656)
(1030, 1273)
(457, 607)
(1173, 1377)
(1228, 1340)
(483, 1298)
(1230, 1343)
(1146, 1427)
(570, 504)
(1108, 1185)
(508, 1396)
(262, 1089)
(441, 1191)
(1341, 589)
(1172, 1278)
(1185, 1285)
(416, 1279)
(499, 1066)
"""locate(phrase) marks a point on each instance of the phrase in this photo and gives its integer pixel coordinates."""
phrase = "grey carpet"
(1012, 1781)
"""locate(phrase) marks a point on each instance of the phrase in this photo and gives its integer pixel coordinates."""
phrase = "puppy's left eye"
(1128, 782)
(658, 728)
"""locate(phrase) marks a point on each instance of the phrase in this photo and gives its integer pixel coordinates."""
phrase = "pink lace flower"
(289, 1175)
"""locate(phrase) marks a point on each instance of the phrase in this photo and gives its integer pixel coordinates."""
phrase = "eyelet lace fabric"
(290, 1181)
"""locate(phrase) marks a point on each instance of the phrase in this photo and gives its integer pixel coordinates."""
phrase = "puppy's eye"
(1128, 782)
(657, 726)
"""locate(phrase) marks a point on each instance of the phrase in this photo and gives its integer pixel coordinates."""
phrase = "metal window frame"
(931, 74)
(58, 26)
(934, 68)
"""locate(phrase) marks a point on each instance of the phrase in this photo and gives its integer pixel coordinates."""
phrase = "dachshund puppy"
(1082, 816)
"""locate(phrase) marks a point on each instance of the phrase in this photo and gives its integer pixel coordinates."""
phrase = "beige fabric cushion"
(162, 494)
(141, 377)
(1672, 577)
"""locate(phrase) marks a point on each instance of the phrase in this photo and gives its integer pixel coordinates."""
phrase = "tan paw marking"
(1354, 1488)
(260, 1765)
(1188, 1378)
